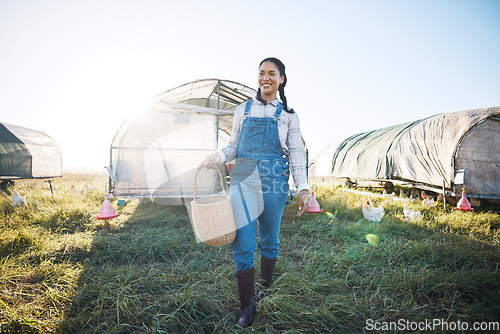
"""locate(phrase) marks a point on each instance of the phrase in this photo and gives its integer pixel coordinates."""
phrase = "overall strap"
(278, 110)
(247, 106)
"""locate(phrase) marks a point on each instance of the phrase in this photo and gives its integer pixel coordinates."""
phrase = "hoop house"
(27, 154)
(156, 153)
(450, 150)
(210, 93)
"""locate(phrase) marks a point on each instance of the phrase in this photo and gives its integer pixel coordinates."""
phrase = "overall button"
(284, 156)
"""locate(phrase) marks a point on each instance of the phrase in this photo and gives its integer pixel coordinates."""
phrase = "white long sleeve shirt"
(289, 134)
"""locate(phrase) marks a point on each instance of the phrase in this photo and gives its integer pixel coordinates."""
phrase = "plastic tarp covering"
(427, 152)
(27, 153)
(479, 158)
(368, 155)
(156, 154)
(323, 164)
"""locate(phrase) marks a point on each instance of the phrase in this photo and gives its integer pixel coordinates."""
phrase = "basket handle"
(221, 182)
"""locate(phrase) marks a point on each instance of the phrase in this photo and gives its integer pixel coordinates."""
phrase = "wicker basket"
(213, 219)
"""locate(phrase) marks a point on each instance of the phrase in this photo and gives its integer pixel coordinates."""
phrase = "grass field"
(63, 271)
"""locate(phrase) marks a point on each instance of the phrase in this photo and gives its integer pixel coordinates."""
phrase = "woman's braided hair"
(281, 87)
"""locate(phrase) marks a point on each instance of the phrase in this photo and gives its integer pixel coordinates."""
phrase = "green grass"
(63, 271)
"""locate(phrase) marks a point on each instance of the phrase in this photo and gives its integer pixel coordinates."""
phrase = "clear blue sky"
(75, 69)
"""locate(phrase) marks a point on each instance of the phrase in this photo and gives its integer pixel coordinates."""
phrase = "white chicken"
(17, 199)
(373, 214)
(411, 214)
(386, 195)
(428, 202)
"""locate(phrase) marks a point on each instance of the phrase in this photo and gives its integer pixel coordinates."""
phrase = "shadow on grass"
(147, 274)
(433, 268)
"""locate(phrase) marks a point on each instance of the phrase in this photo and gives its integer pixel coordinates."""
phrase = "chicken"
(428, 202)
(411, 214)
(475, 202)
(79, 191)
(17, 199)
(386, 195)
(350, 184)
(373, 214)
(402, 194)
(423, 194)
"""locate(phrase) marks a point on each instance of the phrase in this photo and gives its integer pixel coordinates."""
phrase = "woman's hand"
(303, 201)
(211, 161)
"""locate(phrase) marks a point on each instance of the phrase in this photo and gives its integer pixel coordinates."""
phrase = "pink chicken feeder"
(106, 211)
(313, 206)
(463, 204)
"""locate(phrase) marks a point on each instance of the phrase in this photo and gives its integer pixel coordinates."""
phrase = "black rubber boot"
(266, 275)
(246, 291)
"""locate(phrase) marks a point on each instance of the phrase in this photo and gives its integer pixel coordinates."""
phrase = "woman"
(267, 145)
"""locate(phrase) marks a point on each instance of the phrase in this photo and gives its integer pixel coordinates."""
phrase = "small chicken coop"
(28, 154)
(442, 151)
(155, 154)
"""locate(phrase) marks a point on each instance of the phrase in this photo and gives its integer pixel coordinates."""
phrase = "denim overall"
(259, 188)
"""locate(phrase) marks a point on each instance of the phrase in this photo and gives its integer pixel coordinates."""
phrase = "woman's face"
(269, 80)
